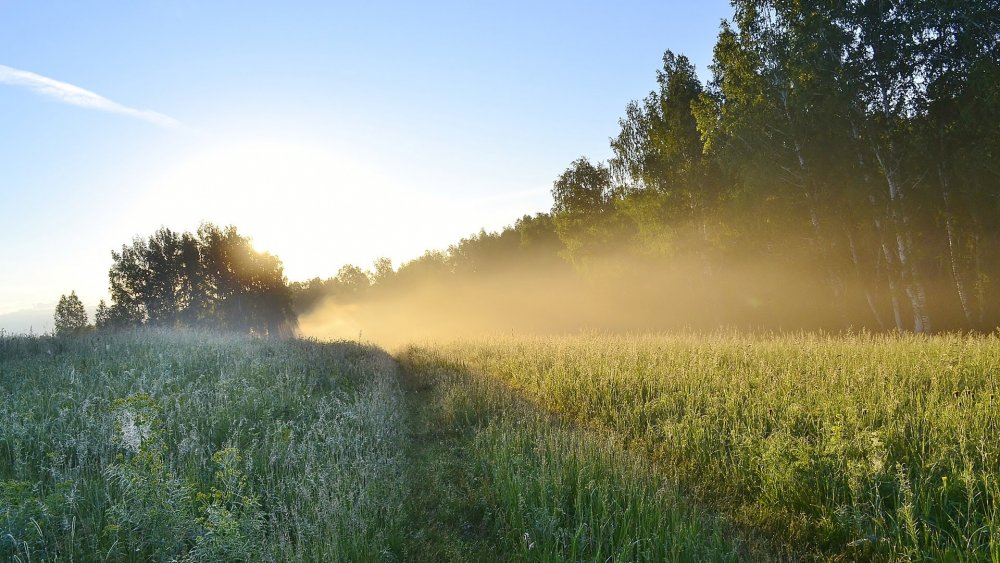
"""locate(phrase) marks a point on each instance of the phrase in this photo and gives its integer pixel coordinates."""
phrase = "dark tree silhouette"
(213, 278)
(70, 317)
(102, 316)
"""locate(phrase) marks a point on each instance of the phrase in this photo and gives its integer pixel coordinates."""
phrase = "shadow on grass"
(494, 477)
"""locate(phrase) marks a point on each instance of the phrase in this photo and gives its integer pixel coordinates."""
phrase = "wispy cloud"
(76, 96)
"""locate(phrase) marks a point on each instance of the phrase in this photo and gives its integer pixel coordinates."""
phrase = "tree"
(384, 272)
(961, 135)
(582, 211)
(70, 317)
(672, 186)
(212, 278)
(352, 280)
(538, 242)
(841, 164)
(102, 317)
(245, 290)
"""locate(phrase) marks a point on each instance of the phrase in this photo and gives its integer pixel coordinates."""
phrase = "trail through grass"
(500, 480)
(190, 446)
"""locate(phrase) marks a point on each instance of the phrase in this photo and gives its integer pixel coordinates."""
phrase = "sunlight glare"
(313, 207)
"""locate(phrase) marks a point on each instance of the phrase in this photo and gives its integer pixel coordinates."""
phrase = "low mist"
(615, 295)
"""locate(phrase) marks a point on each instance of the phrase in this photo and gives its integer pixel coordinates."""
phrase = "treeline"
(531, 245)
(839, 169)
(868, 130)
(212, 278)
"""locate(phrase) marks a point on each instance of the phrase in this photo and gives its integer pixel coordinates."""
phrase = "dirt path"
(447, 510)
(491, 478)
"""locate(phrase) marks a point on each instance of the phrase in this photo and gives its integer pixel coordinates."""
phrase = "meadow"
(194, 446)
(856, 447)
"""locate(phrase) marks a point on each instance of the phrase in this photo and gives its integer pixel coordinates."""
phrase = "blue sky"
(330, 132)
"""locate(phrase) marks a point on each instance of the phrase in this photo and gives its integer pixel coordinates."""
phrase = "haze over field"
(513, 282)
(332, 133)
(557, 300)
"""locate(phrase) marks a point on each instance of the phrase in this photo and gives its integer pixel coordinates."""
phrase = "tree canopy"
(854, 140)
(70, 317)
(212, 278)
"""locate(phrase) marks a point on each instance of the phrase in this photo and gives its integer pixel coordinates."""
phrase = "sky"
(329, 132)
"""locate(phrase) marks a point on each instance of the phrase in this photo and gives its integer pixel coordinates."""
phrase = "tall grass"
(538, 489)
(189, 446)
(164, 446)
(857, 446)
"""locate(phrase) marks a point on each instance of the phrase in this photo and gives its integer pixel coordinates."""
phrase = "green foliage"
(213, 278)
(582, 198)
(578, 499)
(150, 513)
(145, 494)
(383, 271)
(233, 524)
(853, 139)
(353, 279)
(37, 524)
(70, 317)
(838, 171)
(157, 446)
(529, 246)
(102, 316)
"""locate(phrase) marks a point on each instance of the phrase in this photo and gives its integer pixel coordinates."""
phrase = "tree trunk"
(909, 273)
(891, 276)
(810, 193)
(949, 227)
(980, 281)
(869, 298)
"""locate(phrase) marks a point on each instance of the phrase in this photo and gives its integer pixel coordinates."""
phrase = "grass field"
(152, 446)
(849, 447)
(158, 446)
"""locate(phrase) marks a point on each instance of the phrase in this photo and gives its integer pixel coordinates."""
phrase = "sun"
(315, 205)
(309, 204)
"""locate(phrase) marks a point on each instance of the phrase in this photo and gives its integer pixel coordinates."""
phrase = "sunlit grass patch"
(855, 446)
